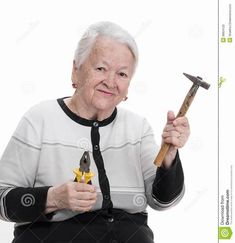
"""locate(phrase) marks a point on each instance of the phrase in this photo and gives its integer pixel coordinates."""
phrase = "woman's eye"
(124, 75)
(100, 69)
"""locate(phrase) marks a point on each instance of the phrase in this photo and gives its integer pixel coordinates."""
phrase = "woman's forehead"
(111, 49)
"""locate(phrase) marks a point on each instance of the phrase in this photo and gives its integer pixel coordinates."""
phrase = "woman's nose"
(110, 80)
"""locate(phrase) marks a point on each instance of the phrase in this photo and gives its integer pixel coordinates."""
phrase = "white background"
(38, 39)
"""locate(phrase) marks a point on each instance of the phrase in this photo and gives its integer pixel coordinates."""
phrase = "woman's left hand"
(175, 133)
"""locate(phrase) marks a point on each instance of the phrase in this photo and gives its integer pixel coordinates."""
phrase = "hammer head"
(198, 81)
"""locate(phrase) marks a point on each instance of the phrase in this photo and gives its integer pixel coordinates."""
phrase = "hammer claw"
(197, 80)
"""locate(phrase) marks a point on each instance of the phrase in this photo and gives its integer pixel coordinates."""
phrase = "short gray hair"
(103, 29)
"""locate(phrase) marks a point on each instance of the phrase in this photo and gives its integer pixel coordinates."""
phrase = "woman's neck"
(78, 107)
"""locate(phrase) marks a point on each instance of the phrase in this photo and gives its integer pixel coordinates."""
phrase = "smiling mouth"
(105, 92)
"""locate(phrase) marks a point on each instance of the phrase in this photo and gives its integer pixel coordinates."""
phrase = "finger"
(171, 134)
(176, 142)
(81, 209)
(170, 117)
(181, 121)
(183, 139)
(179, 129)
(85, 203)
(84, 187)
(169, 127)
(86, 195)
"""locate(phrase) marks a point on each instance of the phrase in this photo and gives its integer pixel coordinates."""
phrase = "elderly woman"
(37, 187)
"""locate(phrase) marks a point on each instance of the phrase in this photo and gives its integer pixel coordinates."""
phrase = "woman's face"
(104, 77)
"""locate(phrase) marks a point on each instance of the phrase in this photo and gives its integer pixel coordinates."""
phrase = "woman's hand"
(71, 195)
(176, 133)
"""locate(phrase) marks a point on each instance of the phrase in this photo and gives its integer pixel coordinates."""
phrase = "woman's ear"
(74, 76)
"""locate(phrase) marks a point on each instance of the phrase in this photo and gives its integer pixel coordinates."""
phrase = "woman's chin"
(105, 107)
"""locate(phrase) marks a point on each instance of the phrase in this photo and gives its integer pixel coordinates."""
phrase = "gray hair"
(103, 29)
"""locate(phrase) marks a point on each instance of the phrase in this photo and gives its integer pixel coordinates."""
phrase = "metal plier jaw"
(83, 174)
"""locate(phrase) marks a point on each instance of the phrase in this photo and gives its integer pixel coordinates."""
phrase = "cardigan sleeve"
(164, 188)
(19, 200)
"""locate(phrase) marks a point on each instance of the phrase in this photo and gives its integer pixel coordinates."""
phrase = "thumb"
(170, 117)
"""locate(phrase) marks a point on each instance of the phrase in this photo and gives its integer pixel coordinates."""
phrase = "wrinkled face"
(104, 77)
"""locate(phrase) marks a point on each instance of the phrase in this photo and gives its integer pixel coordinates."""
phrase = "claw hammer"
(197, 82)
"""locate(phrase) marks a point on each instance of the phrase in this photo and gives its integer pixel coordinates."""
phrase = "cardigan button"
(95, 124)
(96, 147)
(110, 220)
(106, 197)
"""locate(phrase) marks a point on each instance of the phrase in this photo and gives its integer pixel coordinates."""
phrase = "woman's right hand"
(75, 196)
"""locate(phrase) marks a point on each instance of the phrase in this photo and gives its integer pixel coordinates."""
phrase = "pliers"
(83, 174)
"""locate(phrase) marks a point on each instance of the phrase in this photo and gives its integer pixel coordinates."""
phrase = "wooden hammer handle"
(161, 154)
(184, 108)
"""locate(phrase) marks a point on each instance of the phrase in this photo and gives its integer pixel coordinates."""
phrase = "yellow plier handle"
(83, 176)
